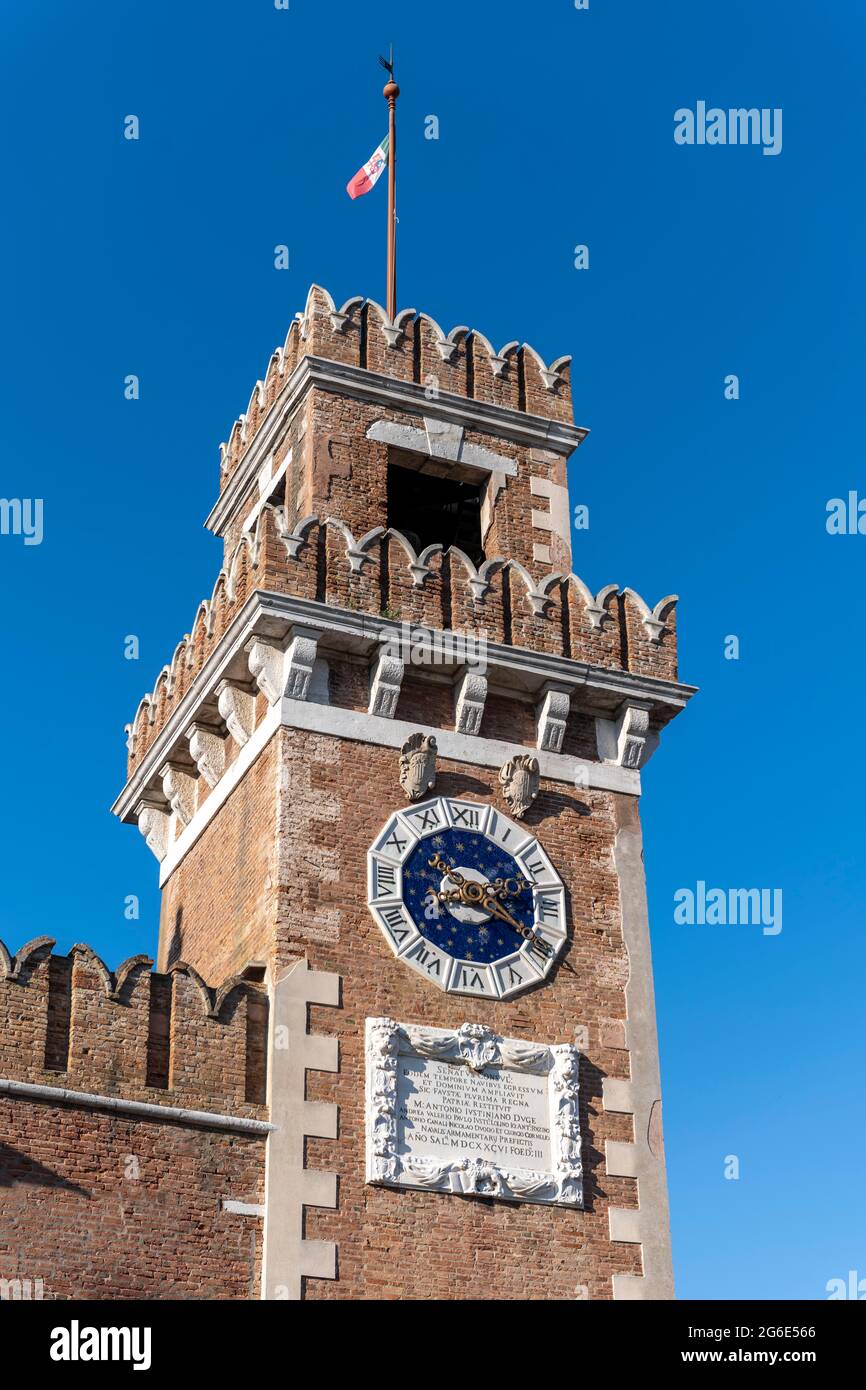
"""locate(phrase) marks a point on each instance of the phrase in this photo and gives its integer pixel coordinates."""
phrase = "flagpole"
(390, 93)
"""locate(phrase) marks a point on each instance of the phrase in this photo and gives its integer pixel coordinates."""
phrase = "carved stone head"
(520, 780)
(479, 1047)
(418, 765)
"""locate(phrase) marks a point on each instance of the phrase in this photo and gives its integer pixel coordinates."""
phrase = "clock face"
(466, 897)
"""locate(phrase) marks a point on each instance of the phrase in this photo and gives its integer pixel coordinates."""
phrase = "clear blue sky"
(556, 128)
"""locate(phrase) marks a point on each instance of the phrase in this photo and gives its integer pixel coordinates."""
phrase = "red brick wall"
(334, 797)
(427, 1245)
(276, 877)
(215, 906)
(102, 1206)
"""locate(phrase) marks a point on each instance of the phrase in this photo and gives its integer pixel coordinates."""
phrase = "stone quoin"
(291, 1102)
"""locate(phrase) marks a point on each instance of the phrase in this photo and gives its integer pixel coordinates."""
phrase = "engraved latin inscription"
(447, 1111)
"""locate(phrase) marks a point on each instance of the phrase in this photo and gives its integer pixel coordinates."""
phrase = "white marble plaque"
(472, 1113)
(501, 1116)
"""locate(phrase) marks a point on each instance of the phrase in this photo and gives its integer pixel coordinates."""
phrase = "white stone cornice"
(357, 726)
(269, 619)
(140, 1109)
(344, 378)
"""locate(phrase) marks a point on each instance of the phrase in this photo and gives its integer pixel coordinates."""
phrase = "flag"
(369, 172)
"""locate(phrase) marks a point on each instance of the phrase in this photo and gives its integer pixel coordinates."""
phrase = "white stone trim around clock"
(359, 727)
(401, 835)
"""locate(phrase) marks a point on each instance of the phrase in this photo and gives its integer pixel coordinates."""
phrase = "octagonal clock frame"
(418, 869)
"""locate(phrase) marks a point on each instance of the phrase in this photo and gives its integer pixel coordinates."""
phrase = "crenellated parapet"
(70, 1023)
(413, 348)
(381, 575)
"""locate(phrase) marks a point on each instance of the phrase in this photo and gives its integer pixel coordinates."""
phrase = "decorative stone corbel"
(154, 822)
(265, 660)
(627, 741)
(520, 780)
(386, 679)
(179, 788)
(551, 717)
(418, 765)
(208, 752)
(238, 708)
(552, 375)
(632, 729)
(470, 695)
(300, 659)
(595, 606)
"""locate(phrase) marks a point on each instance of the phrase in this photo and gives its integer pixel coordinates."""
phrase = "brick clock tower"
(400, 1039)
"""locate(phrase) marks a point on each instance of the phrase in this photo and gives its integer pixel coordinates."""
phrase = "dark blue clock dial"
(487, 938)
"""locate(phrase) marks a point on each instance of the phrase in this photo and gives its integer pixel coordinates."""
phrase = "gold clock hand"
(495, 907)
(498, 910)
(437, 862)
(499, 887)
(483, 895)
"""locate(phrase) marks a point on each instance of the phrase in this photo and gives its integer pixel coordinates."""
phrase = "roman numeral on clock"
(385, 879)
(396, 923)
(548, 907)
(428, 819)
(395, 842)
(423, 956)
